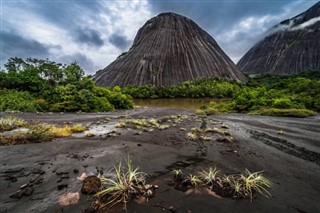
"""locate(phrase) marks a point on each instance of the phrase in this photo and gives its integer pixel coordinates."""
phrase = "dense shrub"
(16, 101)
(200, 88)
(40, 85)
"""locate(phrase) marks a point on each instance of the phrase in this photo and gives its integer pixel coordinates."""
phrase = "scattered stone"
(17, 195)
(11, 178)
(85, 165)
(203, 125)
(62, 186)
(226, 133)
(76, 171)
(224, 140)
(83, 176)
(38, 171)
(62, 173)
(23, 186)
(91, 185)
(69, 198)
(13, 170)
(39, 180)
(224, 126)
(28, 191)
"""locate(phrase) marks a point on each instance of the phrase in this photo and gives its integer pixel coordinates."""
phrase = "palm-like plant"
(126, 182)
(195, 181)
(256, 181)
(209, 175)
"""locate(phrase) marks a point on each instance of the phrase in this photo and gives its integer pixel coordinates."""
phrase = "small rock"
(139, 144)
(28, 191)
(82, 177)
(224, 126)
(203, 125)
(76, 171)
(224, 140)
(62, 173)
(62, 186)
(91, 185)
(17, 195)
(11, 178)
(69, 198)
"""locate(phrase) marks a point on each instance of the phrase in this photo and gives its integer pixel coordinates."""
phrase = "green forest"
(33, 85)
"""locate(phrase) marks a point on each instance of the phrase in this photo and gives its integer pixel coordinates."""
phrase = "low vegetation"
(301, 113)
(41, 85)
(8, 123)
(34, 132)
(129, 183)
(236, 186)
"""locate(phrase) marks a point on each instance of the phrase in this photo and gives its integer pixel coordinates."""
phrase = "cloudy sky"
(94, 33)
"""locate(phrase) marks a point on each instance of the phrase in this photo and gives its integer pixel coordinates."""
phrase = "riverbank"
(286, 149)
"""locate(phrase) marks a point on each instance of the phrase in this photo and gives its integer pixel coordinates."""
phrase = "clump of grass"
(194, 180)
(256, 182)
(191, 136)
(8, 123)
(142, 124)
(209, 175)
(32, 136)
(60, 131)
(129, 183)
(78, 128)
(300, 113)
(66, 130)
(237, 186)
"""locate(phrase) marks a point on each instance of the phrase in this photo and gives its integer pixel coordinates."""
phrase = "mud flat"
(286, 149)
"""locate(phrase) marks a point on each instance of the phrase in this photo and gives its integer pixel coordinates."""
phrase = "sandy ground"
(291, 161)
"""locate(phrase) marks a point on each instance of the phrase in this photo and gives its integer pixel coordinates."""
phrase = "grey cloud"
(220, 17)
(86, 63)
(119, 41)
(88, 36)
(14, 45)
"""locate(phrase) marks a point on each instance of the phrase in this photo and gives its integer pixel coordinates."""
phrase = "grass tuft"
(300, 113)
(128, 182)
(8, 123)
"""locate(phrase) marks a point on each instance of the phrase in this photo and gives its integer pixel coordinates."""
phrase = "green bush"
(301, 113)
(282, 103)
(16, 101)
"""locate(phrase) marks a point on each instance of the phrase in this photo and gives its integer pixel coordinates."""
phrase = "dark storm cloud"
(88, 36)
(119, 41)
(85, 63)
(66, 13)
(219, 15)
(95, 24)
(14, 45)
(222, 18)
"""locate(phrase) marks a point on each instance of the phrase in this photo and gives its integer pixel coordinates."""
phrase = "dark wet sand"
(291, 161)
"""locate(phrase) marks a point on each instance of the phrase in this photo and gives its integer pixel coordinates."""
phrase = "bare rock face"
(291, 47)
(168, 50)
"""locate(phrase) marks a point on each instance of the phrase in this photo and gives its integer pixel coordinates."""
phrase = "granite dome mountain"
(291, 47)
(168, 50)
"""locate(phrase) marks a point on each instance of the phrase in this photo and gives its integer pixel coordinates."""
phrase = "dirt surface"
(286, 149)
